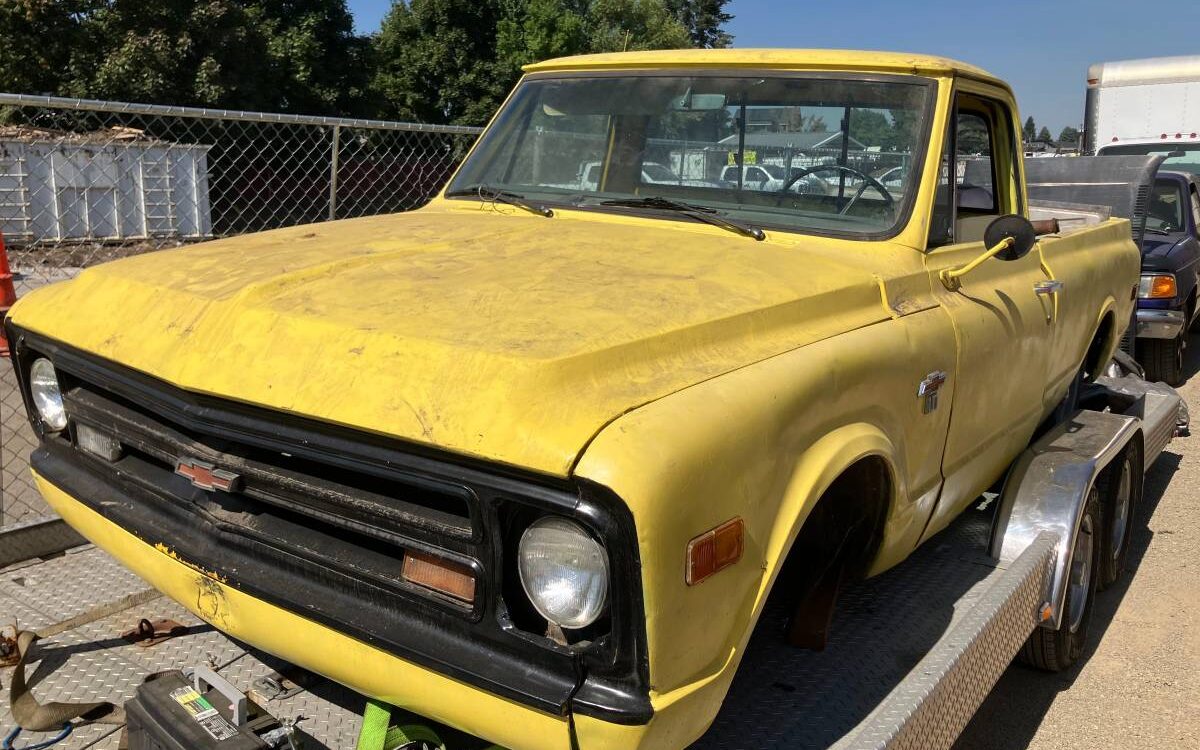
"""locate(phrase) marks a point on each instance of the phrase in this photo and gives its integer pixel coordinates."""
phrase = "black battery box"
(172, 712)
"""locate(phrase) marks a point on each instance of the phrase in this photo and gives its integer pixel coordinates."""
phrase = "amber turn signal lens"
(441, 575)
(1158, 286)
(714, 550)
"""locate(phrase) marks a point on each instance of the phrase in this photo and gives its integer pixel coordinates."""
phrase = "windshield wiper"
(700, 213)
(486, 193)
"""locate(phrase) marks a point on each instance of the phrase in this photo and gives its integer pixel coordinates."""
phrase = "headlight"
(564, 572)
(1157, 286)
(47, 396)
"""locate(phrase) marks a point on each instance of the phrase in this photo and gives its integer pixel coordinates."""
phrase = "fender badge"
(928, 389)
(206, 476)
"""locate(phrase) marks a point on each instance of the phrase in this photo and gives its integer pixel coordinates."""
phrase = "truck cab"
(532, 459)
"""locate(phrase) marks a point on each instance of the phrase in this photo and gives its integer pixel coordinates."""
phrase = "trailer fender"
(1047, 489)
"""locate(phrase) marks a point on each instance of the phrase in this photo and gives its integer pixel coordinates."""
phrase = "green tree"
(37, 39)
(455, 60)
(1069, 135)
(1029, 132)
(289, 55)
(437, 61)
(1044, 135)
(538, 30)
(704, 20)
(618, 25)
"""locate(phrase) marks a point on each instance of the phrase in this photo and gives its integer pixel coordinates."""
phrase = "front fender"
(763, 443)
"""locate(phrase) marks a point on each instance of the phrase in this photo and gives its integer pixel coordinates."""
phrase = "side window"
(975, 166)
(1195, 208)
(979, 171)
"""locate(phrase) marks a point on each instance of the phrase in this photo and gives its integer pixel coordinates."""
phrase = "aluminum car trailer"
(913, 652)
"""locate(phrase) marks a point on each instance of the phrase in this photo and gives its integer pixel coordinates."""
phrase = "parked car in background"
(771, 178)
(653, 173)
(1166, 308)
(1149, 106)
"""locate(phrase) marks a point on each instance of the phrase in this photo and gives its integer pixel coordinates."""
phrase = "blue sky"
(1042, 48)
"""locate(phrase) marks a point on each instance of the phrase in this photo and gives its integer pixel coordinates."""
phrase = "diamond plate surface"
(69, 585)
(930, 708)
(36, 537)
(92, 662)
(784, 697)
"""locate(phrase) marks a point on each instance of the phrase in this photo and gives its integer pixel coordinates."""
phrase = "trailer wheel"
(1163, 359)
(1055, 650)
(1118, 488)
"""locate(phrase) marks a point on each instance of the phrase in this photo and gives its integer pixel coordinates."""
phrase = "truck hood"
(511, 338)
(1158, 248)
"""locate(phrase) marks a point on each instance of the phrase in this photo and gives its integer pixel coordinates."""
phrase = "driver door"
(1003, 325)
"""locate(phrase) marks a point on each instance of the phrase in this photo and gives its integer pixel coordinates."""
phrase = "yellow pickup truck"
(530, 461)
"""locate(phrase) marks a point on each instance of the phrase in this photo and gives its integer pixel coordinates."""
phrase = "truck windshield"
(807, 146)
(1166, 208)
(1182, 157)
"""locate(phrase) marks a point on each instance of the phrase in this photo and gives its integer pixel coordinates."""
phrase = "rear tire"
(1056, 650)
(1163, 359)
(1118, 487)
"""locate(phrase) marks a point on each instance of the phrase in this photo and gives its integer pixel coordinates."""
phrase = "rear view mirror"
(1018, 228)
(690, 102)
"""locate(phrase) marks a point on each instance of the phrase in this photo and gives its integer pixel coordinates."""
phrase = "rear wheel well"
(1104, 336)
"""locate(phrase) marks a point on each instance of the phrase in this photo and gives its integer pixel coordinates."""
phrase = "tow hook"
(151, 633)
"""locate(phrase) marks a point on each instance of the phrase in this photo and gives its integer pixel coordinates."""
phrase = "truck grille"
(343, 514)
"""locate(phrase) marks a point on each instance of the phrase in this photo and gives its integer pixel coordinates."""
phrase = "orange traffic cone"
(8, 295)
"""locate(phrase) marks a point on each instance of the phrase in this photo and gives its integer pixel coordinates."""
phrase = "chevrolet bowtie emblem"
(206, 476)
(928, 390)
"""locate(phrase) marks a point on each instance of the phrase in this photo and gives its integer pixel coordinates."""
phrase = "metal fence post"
(333, 172)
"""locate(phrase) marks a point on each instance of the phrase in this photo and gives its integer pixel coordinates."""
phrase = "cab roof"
(779, 59)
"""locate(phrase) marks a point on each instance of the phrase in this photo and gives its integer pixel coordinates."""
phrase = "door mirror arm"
(1007, 238)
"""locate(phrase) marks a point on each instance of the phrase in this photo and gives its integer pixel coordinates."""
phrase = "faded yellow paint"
(500, 335)
(698, 374)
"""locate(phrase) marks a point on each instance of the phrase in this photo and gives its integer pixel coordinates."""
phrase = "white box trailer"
(1149, 106)
(54, 190)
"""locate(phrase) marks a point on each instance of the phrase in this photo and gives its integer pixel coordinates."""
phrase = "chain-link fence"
(82, 182)
(87, 181)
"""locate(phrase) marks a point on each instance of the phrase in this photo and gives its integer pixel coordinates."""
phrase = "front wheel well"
(838, 540)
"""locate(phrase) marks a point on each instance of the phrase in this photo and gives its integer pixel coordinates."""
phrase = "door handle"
(1053, 286)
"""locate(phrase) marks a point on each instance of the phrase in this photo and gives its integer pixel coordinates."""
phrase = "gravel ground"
(1138, 686)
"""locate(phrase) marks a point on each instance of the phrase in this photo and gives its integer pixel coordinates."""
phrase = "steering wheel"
(867, 180)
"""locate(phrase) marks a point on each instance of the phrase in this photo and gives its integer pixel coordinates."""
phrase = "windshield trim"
(904, 215)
